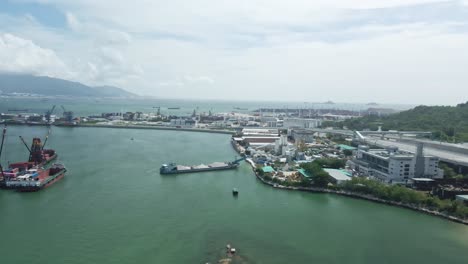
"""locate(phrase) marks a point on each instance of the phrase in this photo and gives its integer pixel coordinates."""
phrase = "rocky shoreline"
(359, 196)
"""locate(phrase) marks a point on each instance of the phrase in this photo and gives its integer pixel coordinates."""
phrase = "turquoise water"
(114, 207)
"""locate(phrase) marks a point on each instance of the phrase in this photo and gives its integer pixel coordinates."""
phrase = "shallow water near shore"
(114, 207)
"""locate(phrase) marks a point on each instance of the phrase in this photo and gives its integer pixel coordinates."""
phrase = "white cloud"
(198, 79)
(115, 37)
(72, 21)
(277, 50)
(24, 56)
(171, 83)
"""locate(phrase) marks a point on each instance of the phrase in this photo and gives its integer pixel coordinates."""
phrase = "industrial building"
(392, 165)
(301, 123)
(302, 135)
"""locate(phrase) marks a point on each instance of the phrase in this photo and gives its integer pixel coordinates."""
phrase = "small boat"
(235, 192)
(131, 139)
(230, 249)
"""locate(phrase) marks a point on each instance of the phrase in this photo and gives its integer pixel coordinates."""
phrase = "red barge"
(32, 175)
(34, 179)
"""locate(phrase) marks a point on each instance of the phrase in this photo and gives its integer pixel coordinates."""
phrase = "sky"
(385, 51)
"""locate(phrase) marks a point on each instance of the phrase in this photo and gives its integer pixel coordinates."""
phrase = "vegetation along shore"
(370, 190)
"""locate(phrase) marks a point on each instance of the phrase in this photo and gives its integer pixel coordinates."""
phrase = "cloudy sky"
(388, 51)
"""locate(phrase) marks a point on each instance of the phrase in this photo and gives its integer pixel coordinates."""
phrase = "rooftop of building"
(383, 153)
(339, 175)
(346, 147)
(422, 180)
(304, 173)
(303, 131)
(267, 169)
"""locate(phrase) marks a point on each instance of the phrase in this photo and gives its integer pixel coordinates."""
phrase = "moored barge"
(34, 179)
(173, 168)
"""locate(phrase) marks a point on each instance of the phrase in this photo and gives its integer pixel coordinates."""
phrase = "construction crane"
(35, 152)
(48, 114)
(46, 138)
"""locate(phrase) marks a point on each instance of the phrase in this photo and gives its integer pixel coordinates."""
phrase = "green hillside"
(449, 123)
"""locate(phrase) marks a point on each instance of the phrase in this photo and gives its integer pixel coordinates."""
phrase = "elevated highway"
(451, 153)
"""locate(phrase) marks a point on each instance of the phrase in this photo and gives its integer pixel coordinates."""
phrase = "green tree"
(321, 179)
(319, 176)
(332, 163)
(448, 123)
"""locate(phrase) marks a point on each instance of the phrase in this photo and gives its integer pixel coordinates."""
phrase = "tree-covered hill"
(446, 122)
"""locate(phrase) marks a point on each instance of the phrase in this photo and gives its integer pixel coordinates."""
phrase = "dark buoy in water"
(235, 192)
(131, 139)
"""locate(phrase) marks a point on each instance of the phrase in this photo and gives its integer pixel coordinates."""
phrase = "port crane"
(48, 114)
(67, 115)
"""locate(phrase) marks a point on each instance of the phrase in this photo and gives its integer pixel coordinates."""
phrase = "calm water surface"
(114, 207)
(86, 107)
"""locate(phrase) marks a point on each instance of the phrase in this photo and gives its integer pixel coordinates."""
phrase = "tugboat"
(235, 192)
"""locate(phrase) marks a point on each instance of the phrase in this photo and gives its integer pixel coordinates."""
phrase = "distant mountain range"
(47, 86)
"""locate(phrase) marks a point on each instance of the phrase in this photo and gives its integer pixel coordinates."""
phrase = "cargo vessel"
(173, 168)
(32, 179)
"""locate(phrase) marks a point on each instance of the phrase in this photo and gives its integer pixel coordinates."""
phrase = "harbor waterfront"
(358, 196)
(115, 207)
